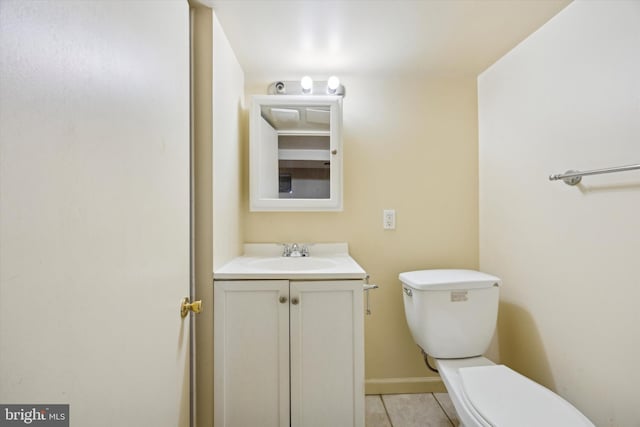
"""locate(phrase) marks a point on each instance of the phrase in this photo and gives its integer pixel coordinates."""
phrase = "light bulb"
(307, 84)
(333, 84)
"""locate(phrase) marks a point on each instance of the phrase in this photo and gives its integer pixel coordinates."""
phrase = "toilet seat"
(503, 397)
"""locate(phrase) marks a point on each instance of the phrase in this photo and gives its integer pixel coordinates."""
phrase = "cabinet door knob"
(334, 151)
(283, 299)
(294, 301)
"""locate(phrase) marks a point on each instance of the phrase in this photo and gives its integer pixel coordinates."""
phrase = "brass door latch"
(186, 307)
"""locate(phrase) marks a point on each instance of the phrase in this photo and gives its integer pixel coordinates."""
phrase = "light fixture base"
(293, 87)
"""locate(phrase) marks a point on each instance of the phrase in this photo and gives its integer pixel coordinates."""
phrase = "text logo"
(34, 415)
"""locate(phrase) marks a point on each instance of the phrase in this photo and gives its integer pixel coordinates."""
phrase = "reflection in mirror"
(302, 137)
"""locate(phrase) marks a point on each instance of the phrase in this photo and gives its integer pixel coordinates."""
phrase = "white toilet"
(452, 317)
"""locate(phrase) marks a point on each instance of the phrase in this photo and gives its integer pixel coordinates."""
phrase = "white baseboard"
(404, 385)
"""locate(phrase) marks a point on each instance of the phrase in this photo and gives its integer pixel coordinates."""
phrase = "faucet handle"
(305, 250)
(286, 251)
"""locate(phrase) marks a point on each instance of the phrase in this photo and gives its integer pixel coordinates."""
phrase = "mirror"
(295, 153)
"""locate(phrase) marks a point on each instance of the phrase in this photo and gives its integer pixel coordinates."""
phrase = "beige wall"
(409, 145)
(203, 206)
(228, 137)
(218, 132)
(567, 98)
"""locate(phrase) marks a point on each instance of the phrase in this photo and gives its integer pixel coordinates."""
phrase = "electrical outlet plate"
(389, 219)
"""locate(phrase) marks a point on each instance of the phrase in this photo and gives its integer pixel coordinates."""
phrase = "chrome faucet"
(295, 250)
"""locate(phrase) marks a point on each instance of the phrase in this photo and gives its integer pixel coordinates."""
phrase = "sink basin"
(328, 261)
(292, 264)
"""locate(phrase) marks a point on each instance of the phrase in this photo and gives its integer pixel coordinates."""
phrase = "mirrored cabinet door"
(296, 153)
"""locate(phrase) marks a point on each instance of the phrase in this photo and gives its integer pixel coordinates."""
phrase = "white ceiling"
(286, 39)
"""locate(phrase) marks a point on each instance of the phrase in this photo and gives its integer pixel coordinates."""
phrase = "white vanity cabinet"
(288, 353)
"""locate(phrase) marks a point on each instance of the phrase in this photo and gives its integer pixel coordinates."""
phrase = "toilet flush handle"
(408, 291)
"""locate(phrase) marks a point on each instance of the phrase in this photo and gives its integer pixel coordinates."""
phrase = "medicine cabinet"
(295, 153)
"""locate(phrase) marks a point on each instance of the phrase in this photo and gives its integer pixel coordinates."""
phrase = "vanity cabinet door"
(251, 353)
(327, 354)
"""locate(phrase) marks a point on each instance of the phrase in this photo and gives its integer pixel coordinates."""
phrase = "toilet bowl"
(452, 317)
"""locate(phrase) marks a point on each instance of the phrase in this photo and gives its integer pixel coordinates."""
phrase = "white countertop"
(327, 261)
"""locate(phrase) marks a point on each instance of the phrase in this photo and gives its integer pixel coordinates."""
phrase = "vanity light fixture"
(332, 85)
(307, 85)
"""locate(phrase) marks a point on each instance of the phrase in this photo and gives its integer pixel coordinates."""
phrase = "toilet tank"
(451, 313)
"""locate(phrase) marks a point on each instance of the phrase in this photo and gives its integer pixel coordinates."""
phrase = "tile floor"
(410, 410)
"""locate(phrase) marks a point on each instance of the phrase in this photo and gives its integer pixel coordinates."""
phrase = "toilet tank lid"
(444, 280)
